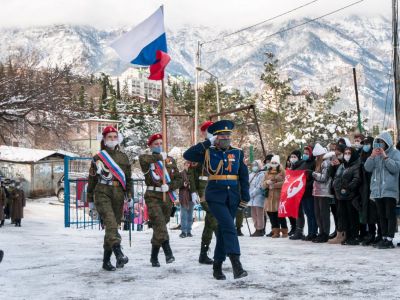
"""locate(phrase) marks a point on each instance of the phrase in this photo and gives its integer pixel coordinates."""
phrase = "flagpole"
(164, 130)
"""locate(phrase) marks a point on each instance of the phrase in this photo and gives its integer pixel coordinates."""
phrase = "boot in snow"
(217, 271)
(238, 271)
(203, 258)
(106, 261)
(169, 258)
(154, 256)
(121, 258)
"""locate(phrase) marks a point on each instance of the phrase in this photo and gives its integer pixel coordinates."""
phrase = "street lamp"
(200, 69)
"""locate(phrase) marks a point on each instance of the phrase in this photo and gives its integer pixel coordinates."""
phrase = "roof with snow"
(19, 154)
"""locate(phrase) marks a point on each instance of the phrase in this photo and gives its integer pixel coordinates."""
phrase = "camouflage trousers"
(210, 224)
(239, 219)
(109, 201)
(159, 216)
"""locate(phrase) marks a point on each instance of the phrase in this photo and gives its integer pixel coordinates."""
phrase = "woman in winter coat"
(347, 190)
(322, 192)
(384, 164)
(273, 181)
(257, 197)
(17, 205)
(368, 211)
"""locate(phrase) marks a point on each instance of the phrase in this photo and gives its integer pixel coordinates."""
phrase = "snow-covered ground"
(43, 260)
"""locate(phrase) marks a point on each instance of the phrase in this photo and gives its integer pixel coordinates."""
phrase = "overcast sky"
(224, 14)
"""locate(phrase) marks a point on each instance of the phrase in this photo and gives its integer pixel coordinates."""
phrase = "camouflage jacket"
(123, 162)
(197, 185)
(146, 161)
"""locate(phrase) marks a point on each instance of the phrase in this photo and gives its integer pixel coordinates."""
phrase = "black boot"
(239, 232)
(217, 271)
(298, 235)
(333, 235)
(121, 258)
(203, 258)
(1, 255)
(154, 256)
(169, 258)
(106, 261)
(2, 223)
(238, 271)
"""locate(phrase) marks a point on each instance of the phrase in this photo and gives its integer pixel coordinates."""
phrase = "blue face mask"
(366, 148)
(305, 157)
(157, 149)
(377, 145)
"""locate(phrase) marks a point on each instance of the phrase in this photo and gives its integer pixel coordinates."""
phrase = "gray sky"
(224, 14)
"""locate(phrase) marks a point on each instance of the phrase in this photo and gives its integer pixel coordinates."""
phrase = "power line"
(259, 23)
(289, 28)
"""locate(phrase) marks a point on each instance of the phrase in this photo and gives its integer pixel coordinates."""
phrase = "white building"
(138, 84)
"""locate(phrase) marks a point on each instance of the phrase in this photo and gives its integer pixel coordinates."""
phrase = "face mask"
(268, 165)
(224, 144)
(366, 148)
(305, 157)
(254, 169)
(377, 145)
(111, 144)
(157, 149)
(357, 145)
(293, 160)
(340, 156)
(273, 165)
(347, 157)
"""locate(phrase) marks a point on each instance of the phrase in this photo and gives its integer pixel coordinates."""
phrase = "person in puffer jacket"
(347, 185)
(322, 192)
(257, 198)
(384, 164)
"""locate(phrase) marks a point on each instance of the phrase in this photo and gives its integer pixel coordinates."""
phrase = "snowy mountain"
(317, 55)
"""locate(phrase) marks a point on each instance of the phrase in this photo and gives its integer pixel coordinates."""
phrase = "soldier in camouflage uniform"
(198, 181)
(107, 189)
(159, 197)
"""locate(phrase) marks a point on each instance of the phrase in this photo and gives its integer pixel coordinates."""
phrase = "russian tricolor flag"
(146, 45)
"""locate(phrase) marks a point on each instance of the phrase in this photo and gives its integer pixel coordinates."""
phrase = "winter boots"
(284, 232)
(238, 271)
(321, 238)
(121, 258)
(154, 256)
(258, 233)
(203, 258)
(298, 235)
(2, 223)
(106, 261)
(1, 255)
(217, 271)
(276, 233)
(169, 258)
(340, 237)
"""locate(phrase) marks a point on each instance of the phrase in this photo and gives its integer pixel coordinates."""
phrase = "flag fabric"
(142, 45)
(292, 191)
(114, 168)
(157, 69)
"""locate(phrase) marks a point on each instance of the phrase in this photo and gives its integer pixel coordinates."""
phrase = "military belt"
(110, 182)
(154, 188)
(223, 177)
(204, 178)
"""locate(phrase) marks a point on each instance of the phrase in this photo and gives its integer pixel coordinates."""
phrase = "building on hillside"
(138, 85)
(85, 137)
(38, 170)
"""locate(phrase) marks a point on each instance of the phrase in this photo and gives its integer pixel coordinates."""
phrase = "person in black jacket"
(368, 213)
(346, 186)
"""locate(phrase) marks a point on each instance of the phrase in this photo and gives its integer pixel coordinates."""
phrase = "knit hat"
(319, 150)
(297, 153)
(276, 159)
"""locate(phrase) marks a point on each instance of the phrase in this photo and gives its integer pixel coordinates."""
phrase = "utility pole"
(396, 73)
(360, 129)
(196, 94)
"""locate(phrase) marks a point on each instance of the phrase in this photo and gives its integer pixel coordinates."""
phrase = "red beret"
(154, 137)
(205, 125)
(109, 129)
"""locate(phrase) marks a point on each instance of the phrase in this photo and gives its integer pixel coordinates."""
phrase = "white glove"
(164, 155)
(269, 182)
(212, 139)
(164, 188)
(195, 198)
(91, 206)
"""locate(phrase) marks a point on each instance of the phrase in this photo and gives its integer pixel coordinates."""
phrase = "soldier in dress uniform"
(198, 181)
(226, 191)
(109, 185)
(159, 197)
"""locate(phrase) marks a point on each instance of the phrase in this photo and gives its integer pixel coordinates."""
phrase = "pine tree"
(82, 96)
(118, 90)
(91, 105)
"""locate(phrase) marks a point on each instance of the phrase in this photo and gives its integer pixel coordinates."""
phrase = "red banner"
(292, 191)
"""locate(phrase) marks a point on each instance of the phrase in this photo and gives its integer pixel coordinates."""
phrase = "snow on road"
(44, 260)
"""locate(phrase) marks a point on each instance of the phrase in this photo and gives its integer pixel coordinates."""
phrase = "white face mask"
(254, 168)
(347, 157)
(293, 160)
(111, 144)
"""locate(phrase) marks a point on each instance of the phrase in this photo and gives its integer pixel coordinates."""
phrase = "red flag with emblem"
(292, 191)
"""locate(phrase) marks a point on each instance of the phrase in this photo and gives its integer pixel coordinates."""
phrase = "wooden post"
(164, 131)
